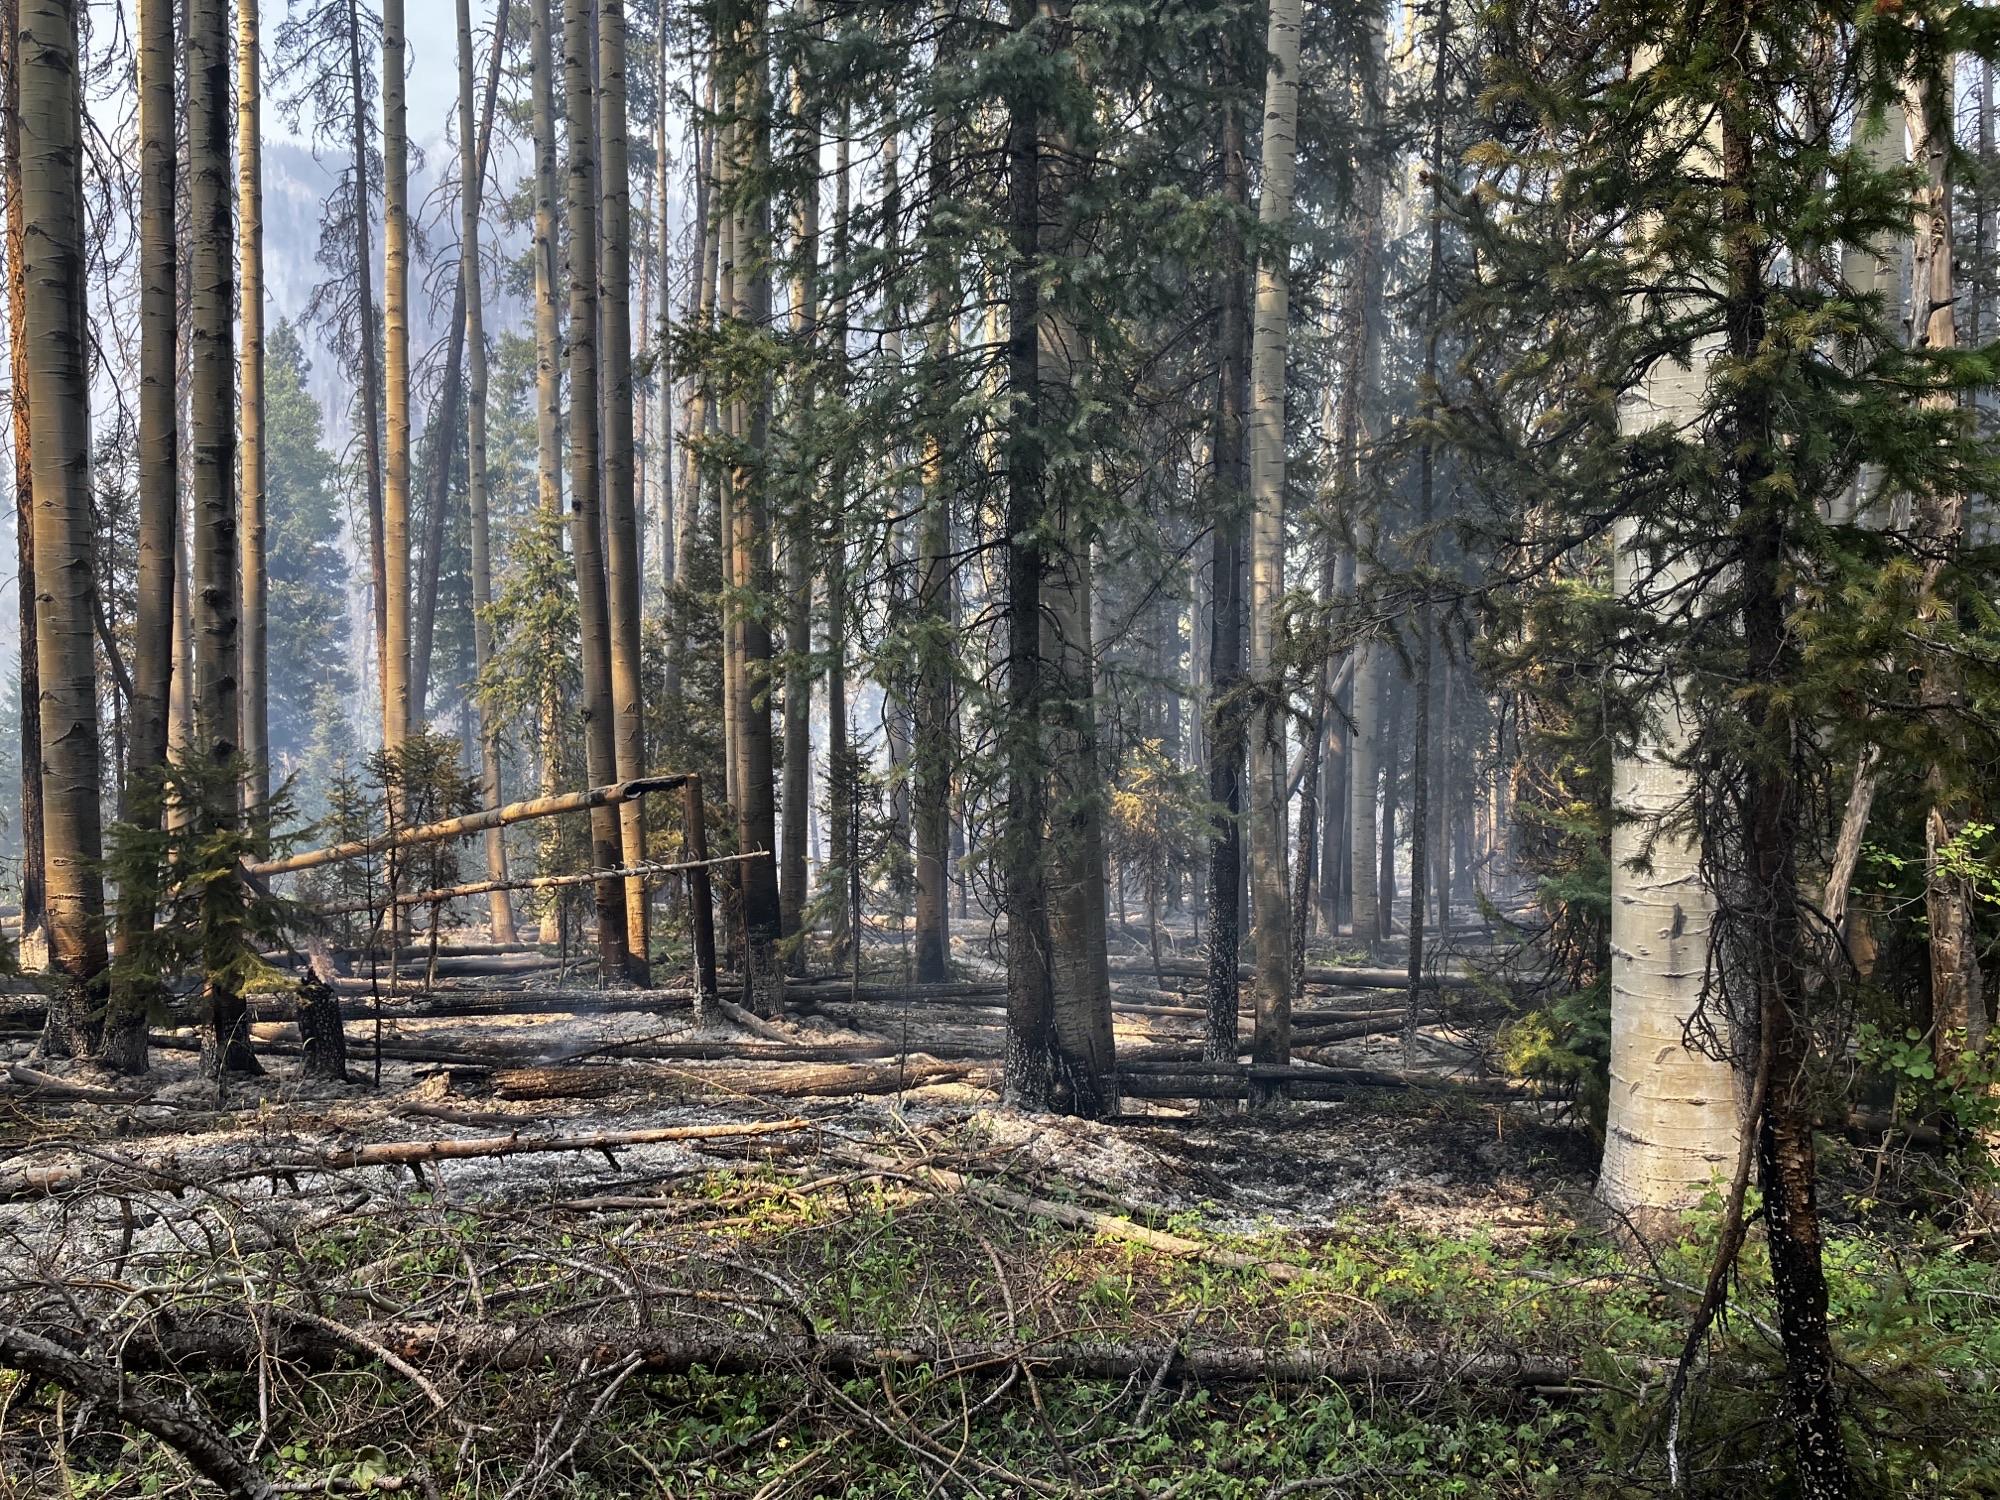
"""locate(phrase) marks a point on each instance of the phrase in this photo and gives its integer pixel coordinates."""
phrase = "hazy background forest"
(1179, 747)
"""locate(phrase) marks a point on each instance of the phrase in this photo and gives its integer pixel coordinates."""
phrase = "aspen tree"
(1271, 913)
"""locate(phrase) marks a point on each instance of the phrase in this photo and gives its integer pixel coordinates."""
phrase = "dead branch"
(185, 1432)
(222, 1339)
(37, 1181)
(474, 822)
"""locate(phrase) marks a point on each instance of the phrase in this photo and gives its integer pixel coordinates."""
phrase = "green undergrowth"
(772, 1249)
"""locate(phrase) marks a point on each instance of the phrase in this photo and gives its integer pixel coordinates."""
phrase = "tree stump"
(324, 1041)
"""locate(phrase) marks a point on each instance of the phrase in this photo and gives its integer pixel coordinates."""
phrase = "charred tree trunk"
(1230, 488)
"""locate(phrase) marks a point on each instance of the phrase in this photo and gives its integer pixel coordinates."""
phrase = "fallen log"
(185, 1431)
(539, 883)
(474, 822)
(771, 1081)
(224, 1340)
(1343, 976)
(1178, 1079)
(42, 1181)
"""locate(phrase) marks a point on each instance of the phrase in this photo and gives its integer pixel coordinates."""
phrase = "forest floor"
(578, 1252)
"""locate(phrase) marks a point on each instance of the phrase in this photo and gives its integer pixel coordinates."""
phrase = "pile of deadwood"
(216, 1262)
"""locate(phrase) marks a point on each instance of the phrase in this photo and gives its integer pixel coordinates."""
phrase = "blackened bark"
(1231, 486)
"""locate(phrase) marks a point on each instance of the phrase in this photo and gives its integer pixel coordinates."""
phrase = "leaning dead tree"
(701, 904)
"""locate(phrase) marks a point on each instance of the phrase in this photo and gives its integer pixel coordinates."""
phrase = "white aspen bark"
(1270, 315)
(1673, 1121)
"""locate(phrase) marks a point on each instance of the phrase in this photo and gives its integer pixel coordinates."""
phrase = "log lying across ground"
(1342, 976)
(107, 1171)
(781, 1081)
(225, 1340)
(1175, 1079)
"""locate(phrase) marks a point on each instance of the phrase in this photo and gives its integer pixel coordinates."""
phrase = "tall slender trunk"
(441, 429)
(471, 182)
(1389, 726)
(933, 750)
(400, 713)
(371, 370)
(1271, 916)
(698, 405)
(1785, 1148)
(1033, 1063)
(621, 527)
(55, 369)
(592, 608)
(250, 258)
(797, 795)
(34, 864)
(1230, 488)
(749, 508)
(548, 371)
(840, 756)
(1958, 1004)
(1672, 1121)
(1420, 768)
(159, 498)
(218, 647)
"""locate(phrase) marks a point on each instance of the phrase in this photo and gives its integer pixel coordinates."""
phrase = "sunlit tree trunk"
(399, 714)
(548, 368)
(33, 856)
(1271, 909)
(215, 551)
(621, 528)
(371, 368)
(250, 457)
(592, 609)
(501, 908)
(55, 367)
